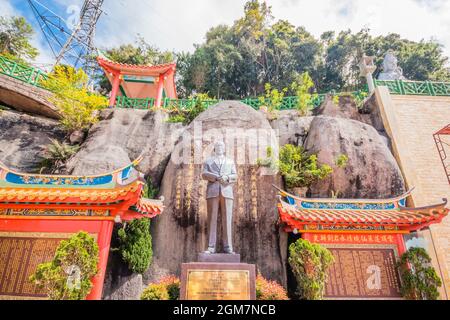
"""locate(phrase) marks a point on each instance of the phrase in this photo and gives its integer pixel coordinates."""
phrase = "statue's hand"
(224, 179)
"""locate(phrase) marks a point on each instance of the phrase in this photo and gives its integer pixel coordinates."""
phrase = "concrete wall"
(411, 121)
(27, 98)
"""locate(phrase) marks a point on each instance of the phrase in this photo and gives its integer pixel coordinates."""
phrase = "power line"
(73, 47)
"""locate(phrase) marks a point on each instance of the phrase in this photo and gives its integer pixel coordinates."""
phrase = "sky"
(179, 24)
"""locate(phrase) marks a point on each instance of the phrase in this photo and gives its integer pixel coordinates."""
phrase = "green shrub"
(77, 105)
(57, 154)
(155, 292)
(273, 98)
(342, 161)
(150, 191)
(136, 245)
(68, 276)
(300, 169)
(419, 279)
(168, 288)
(310, 263)
(360, 97)
(186, 116)
(177, 118)
(303, 87)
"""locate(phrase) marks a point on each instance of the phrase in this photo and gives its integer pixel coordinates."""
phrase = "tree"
(77, 105)
(68, 276)
(310, 263)
(236, 61)
(136, 245)
(15, 35)
(419, 279)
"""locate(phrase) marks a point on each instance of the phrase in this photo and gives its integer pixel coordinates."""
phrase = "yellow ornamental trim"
(24, 195)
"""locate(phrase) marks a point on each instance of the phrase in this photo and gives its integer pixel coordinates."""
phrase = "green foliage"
(342, 161)
(360, 97)
(15, 36)
(236, 61)
(270, 162)
(186, 116)
(78, 106)
(269, 290)
(150, 190)
(310, 264)
(168, 288)
(80, 251)
(155, 292)
(136, 245)
(300, 169)
(273, 98)
(419, 279)
(177, 118)
(58, 153)
(302, 88)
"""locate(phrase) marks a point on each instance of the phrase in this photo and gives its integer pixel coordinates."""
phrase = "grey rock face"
(345, 109)
(128, 288)
(180, 233)
(121, 137)
(24, 138)
(372, 171)
(291, 128)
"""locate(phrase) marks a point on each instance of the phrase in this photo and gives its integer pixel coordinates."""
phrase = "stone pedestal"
(211, 280)
(219, 258)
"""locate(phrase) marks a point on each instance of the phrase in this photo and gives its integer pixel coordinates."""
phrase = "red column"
(401, 244)
(104, 243)
(159, 94)
(115, 89)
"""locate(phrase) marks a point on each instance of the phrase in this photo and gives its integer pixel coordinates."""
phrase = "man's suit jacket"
(212, 171)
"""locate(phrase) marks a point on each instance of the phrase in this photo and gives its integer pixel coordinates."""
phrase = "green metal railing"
(288, 103)
(419, 88)
(21, 72)
(134, 103)
(185, 104)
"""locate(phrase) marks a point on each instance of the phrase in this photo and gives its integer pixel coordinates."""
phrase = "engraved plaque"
(363, 273)
(209, 281)
(218, 285)
(19, 257)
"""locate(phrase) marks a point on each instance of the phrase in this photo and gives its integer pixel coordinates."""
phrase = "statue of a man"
(220, 172)
(391, 70)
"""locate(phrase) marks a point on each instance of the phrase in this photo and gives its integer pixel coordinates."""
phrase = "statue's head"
(390, 62)
(219, 148)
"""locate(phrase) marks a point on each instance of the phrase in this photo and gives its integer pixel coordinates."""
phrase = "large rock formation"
(346, 108)
(371, 172)
(24, 139)
(291, 128)
(180, 233)
(121, 137)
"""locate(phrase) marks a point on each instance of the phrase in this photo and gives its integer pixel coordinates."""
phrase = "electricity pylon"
(74, 47)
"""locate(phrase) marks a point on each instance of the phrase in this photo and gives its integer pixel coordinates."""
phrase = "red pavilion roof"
(125, 68)
(114, 193)
(296, 213)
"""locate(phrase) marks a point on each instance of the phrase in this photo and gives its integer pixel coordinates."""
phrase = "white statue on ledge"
(391, 70)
